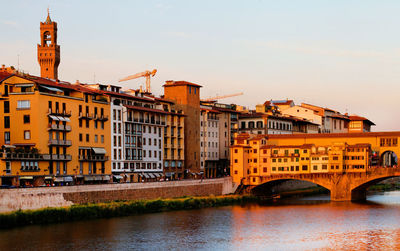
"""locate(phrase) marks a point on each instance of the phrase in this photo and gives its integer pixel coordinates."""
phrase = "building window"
(80, 137)
(6, 106)
(27, 134)
(6, 122)
(87, 137)
(23, 104)
(95, 138)
(7, 137)
(27, 119)
(102, 138)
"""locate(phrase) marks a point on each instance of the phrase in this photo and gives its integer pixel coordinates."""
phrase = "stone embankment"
(36, 198)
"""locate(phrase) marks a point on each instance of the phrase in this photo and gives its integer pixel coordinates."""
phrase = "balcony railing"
(59, 113)
(60, 127)
(100, 117)
(85, 115)
(57, 157)
(60, 142)
(22, 156)
(93, 158)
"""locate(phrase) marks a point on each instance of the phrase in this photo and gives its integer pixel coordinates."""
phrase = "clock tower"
(48, 49)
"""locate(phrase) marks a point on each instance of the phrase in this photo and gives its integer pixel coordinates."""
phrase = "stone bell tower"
(48, 49)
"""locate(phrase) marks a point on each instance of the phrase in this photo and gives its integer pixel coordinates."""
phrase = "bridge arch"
(389, 158)
(267, 188)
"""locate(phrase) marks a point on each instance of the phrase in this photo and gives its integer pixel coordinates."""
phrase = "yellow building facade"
(256, 156)
(52, 132)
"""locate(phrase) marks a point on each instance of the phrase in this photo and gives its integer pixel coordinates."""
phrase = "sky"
(342, 54)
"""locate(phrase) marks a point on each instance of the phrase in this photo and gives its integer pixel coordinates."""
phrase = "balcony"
(60, 142)
(85, 115)
(59, 113)
(93, 158)
(57, 157)
(100, 117)
(55, 127)
(22, 156)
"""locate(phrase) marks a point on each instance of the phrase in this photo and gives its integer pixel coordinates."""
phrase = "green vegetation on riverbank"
(114, 209)
(382, 187)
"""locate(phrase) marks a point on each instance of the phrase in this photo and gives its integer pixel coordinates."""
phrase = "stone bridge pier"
(346, 186)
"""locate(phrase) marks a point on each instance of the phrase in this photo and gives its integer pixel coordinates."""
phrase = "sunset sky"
(340, 54)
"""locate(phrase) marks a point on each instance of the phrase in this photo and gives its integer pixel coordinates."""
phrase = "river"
(297, 224)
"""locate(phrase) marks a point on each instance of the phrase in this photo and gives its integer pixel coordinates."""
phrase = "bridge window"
(304, 168)
(254, 179)
(255, 170)
(286, 152)
(297, 168)
(324, 167)
(274, 169)
(297, 159)
(279, 160)
(332, 167)
(273, 160)
(284, 160)
(265, 160)
(275, 151)
(315, 167)
(255, 160)
(264, 151)
(292, 168)
(236, 172)
(337, 158)
(255, 151)
(236, 150)
(296, 151)
(236, 161)
(265, 170)
(251, 124)
(304, 151)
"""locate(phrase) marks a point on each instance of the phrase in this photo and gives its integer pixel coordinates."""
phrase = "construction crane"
(146, 74)
(221, 97)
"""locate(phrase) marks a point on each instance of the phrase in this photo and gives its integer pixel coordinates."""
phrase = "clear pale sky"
(340, 54)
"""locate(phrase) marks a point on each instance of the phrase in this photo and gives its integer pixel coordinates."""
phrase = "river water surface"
(310, 223)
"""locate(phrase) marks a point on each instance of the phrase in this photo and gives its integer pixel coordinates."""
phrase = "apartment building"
(186, 97)
(137, 134)
(209, 141)
(174, 140)
(70, 140)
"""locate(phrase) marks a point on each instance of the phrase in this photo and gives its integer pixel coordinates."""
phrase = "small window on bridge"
(265, 170)
(304, 168)
(304, 151)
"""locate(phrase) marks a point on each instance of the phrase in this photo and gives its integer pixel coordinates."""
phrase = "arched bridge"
(343, 186)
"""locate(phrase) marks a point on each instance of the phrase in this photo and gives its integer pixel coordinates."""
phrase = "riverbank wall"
(43, 197)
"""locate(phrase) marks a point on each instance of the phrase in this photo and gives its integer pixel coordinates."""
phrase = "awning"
(158, 175)
(9, 146)
(99, 150)
(84, 148)
(51, 88)
(169, 174)
(152, 176)
(26, 178)
(146, 175)
(89, 178)
(67, 119)
(61, 118)
(59, 179)
(118, 177)
(107, 177)
(23, 85)
(54, 117)
(48, 178)
(98, 178)
(68, 179)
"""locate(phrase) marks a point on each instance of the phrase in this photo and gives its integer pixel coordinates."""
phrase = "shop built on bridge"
(346, 164)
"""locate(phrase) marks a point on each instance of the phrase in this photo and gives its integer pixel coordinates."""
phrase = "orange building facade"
(257, 156)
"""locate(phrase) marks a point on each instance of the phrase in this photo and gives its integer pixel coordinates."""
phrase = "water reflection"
(301, 224)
